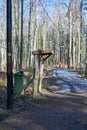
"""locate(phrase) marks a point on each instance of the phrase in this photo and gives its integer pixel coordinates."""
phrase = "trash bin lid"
(20, 72)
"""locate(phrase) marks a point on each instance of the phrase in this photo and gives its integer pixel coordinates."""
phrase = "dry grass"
(3, 83)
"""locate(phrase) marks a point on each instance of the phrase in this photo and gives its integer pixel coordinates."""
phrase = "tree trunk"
(21, 44)
(44, 27)
(36, 75)
(80, 42)
(29, 38)
(36, 25)
(86, 54)
(70, 41)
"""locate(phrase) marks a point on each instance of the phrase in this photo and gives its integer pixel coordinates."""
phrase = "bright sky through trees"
(50, 4)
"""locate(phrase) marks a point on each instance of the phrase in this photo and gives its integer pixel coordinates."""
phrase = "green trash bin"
(18, 82)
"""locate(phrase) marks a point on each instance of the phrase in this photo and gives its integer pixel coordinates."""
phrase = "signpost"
(39, 57)
(9, 55)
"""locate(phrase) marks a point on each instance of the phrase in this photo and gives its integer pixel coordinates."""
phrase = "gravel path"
(60, 111)
(69, 81)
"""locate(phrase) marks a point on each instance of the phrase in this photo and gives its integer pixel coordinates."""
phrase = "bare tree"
(21, 44)
(28, 59)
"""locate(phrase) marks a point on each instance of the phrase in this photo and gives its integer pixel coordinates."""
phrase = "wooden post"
(39, 57)
(36, 76)
(9, 55)
(40, 75)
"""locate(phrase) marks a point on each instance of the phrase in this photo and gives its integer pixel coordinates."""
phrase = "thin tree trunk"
(81, 4)
(21, 44)
(45, 27)
(86, 54)
(17, 37)
(73, 51)
(70, 42)
(29, 38)
(36, 26)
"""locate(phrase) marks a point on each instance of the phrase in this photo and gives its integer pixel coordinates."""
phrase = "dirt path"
(49, 112)
(67, 82)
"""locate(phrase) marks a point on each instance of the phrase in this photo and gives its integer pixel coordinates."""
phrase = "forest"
(58, 25)
(54, 27)
(43, 64)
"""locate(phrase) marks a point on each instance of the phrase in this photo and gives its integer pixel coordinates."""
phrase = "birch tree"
(36, 25)
(15, 32)
(28, 59)
(21, 44)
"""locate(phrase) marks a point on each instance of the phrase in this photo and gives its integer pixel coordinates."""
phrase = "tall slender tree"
(29, 36)
(36, 25)
(21, 43)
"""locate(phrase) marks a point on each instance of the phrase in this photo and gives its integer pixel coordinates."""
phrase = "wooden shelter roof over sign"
(43, 54)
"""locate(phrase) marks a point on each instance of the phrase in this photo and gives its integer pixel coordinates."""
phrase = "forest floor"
(61, 106)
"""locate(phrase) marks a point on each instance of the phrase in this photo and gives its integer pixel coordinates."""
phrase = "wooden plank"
(44, 57)
(41, 52)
